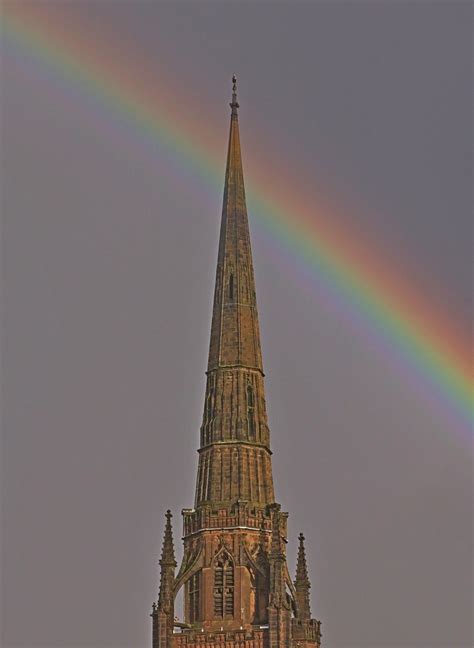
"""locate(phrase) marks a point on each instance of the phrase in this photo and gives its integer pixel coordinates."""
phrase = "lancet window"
(224, 587)
(209, 406)
(194, 599)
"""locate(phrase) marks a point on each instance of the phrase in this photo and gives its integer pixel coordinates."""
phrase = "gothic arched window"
(231, 287)
(210, 394)
(224, 587)
(194, 600)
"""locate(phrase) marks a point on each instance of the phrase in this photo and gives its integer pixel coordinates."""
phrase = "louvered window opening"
(194, 598)
(224, 588)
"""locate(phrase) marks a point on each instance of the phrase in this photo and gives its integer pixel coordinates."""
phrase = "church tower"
(238, 592)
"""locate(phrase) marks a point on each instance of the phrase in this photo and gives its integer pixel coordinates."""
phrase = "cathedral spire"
(302, 584)
(235, 336)
(234, 575)
(235, 458)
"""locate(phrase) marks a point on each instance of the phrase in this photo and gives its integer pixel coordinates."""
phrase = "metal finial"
(234, 105)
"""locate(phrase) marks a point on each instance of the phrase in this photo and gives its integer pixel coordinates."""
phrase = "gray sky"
(109, 254)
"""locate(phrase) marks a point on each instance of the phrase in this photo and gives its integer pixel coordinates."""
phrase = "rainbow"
(358, 276)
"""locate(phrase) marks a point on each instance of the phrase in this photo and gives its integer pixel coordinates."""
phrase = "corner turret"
(302, 584)
(163, 611)
(306, 631)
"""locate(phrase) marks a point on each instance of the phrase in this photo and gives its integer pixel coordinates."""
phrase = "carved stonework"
(234, 576)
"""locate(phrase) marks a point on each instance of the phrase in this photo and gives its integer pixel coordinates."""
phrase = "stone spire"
(235, 454)
(302, 584)
(235, 336)
(234, 575)
(163, 613)
(168, 567)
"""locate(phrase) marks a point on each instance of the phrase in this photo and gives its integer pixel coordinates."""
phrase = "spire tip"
(234, 105)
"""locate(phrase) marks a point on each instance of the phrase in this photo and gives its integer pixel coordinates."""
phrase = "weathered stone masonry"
(237, 589)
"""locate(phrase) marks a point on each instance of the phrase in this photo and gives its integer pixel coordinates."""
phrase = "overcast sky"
(109, 252)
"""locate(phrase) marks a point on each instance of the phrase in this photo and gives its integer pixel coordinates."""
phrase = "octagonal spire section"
(235, 457)
(235, 337)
